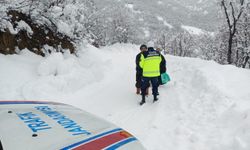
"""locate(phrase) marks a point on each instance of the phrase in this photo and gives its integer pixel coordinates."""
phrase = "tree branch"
(235, 20)
(227, 16)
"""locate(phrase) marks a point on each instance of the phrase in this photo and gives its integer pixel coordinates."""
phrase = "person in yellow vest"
(150, 64)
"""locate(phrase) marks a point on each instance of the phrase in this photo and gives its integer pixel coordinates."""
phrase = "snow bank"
(51, 65)
(53, 75)
(206, 106)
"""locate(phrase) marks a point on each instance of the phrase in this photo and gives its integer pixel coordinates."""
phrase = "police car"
(38, 125)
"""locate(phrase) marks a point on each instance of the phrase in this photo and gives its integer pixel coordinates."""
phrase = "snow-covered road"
(206, 106)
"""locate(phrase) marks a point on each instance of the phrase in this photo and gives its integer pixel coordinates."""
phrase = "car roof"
(28, 125)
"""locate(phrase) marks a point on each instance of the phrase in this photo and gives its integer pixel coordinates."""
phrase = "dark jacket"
(137, 62)
(163, 65)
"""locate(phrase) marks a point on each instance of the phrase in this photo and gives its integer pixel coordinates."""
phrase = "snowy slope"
(206, 106)
(193, 30)
(197, 13)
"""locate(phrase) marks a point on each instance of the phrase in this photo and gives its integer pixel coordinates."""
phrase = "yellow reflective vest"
(150, 63)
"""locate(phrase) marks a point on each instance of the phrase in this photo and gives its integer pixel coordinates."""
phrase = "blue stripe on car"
(119, 144)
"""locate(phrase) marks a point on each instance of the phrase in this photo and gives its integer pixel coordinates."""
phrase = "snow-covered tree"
(182, 44)
(233, 10)
(207, 47)
(243, 39)
(121, 25)
(163, 37)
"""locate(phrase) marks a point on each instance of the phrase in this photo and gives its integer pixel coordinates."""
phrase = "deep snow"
(206, 106)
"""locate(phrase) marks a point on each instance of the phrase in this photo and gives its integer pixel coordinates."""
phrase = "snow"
(64, 28)
(21, 25)
(159, 2)
(141, 19)
(167, 24)
(10, 27)
(67, 17)
(159, 18)
(205, 12)
(200, 1)
(131, 6)
(193, 30)
(146, 32)
(206, 106)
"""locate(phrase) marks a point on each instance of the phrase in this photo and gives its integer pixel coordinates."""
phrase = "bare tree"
(232, 17)
(245, 36)
(162, 42)
(181, 44)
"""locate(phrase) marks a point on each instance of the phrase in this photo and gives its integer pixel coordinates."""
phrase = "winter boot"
(143, 100)
(155, 98)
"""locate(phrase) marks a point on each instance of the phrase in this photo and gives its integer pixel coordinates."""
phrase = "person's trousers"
(159, 81)
(138, 80)
(145, 84)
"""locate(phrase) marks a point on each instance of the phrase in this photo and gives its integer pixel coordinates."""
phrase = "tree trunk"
(180, 48)
(245, 62)
(229, 53)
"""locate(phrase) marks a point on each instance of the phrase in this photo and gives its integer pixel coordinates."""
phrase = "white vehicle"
(37, 125)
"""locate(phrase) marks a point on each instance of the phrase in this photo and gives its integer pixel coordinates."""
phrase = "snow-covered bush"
(56, 21)
(78, 20)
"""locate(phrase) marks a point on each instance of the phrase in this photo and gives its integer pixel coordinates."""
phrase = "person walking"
(150, 63)
(143, 48)
(162, 66)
